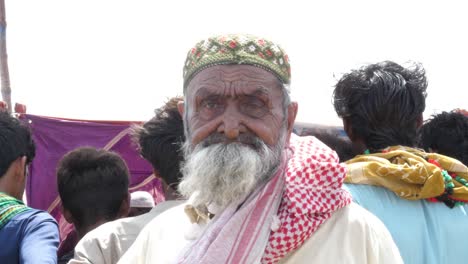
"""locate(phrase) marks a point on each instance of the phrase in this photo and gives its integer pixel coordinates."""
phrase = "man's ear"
(156, 174)
(124, 207)
(420, 121)
(348, 128)
(292, 113)
(20, 169)
(181, 108)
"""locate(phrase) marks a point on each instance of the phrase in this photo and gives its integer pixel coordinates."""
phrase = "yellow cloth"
(407, 173)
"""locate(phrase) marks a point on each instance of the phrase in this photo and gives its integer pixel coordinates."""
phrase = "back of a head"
(160, 140)
(342, 146)
(15, 141)
(92, 184)
(447, 134)
(383, 103)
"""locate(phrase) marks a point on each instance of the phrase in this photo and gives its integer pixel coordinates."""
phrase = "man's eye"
(210, 104)
(254, 107)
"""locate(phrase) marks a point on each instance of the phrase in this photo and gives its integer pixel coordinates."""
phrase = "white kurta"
(108, 242)
(350, 235)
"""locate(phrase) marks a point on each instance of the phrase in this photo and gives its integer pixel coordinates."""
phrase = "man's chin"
(215, 201)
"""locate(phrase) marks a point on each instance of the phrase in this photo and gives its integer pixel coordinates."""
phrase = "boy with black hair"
(447, 134)
(93, 186)
(27, 235)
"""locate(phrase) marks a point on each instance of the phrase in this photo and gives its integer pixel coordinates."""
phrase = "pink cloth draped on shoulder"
(281, 215)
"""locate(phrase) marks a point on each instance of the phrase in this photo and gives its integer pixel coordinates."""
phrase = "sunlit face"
(235, 100)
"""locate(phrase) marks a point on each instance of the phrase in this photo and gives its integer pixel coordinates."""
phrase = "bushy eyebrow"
(206, 91)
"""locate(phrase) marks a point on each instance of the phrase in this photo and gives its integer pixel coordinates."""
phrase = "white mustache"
(223, 173)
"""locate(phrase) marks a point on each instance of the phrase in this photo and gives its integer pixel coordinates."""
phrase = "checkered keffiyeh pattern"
(304, 193)
(237, 49)
(313, 193)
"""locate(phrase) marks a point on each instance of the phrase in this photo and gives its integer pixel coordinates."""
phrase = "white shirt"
(350, 235)
(108, 242)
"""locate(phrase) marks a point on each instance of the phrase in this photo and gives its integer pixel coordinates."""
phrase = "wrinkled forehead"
(224, 79)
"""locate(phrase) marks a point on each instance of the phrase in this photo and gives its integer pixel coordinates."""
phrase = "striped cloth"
(9, 208)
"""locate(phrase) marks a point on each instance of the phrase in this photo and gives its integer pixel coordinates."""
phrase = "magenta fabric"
(54, 137)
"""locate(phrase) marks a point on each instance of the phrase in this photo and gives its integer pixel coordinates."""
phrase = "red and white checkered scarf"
(282, 215)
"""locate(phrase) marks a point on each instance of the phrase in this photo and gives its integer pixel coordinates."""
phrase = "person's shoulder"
(172, 213)
(383, 202)
(360, 236)
(35, 217)
(40, 223)
(164, 206)
(359, 221)
(102, 232)
(128, 225)
(356, 214)
(167, 230)
(363, 192)
(167, 222)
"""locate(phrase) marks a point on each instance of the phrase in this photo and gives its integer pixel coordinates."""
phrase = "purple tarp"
(54, 137)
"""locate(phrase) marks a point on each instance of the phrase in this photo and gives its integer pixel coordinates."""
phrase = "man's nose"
(232, 124)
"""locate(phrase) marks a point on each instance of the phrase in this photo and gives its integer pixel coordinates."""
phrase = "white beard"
(221, 173)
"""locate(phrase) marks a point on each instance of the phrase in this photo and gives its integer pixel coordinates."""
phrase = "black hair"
(15, 141)
(92, 184)
(342, 145)
(160, 140)
(383, 103)
(447, 134)
(330, 136)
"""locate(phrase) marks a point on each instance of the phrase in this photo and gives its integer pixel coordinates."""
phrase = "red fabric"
(314, 178)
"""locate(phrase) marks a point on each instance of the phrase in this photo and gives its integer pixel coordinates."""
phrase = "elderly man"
(256, 194)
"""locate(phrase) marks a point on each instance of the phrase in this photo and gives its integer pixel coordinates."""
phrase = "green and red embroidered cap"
(237, 49)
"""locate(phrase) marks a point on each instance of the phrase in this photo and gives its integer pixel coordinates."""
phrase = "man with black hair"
(159, 142)
(27, 235)
(381, 106)
(93, 186)
(447, 134)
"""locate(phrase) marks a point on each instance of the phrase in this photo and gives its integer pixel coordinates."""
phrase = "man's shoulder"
(174, 213)
(354, 218)
(165, 235)
(34, 217)
(391, 209)
(172, 222)
(355, 214)
(360, 236)
(128, 225)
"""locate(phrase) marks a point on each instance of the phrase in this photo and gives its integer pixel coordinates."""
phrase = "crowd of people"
(241, 187)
